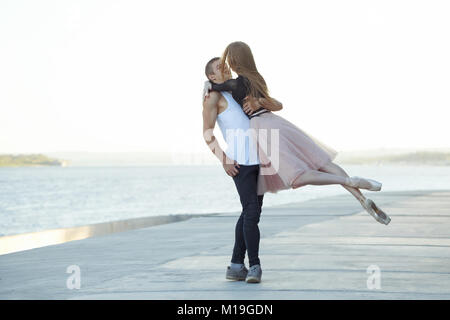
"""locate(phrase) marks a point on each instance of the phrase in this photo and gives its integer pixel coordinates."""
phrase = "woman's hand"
(251, 105)
(271, 104)
(206, 87)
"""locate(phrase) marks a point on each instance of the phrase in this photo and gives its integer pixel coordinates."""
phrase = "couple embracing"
(266, 153)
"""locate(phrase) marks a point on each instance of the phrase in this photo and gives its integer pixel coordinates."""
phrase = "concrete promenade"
(318, 249)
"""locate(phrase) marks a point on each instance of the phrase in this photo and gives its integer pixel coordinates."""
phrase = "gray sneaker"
(233, 274)
(254, 274)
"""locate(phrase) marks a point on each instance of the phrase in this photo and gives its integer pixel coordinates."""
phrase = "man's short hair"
(208, 67)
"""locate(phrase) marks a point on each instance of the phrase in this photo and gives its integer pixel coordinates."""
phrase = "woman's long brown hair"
(240, 59)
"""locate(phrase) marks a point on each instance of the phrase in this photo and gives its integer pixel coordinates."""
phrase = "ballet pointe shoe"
(363, 183)
(378, 214)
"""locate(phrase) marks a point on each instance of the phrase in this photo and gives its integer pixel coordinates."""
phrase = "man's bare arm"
(209, 120)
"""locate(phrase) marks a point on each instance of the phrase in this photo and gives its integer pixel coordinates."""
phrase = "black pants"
(247, 231)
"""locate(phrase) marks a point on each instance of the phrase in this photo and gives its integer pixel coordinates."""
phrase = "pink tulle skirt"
(285, 154)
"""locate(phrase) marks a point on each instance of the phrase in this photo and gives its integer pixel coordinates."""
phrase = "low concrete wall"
(26, 241)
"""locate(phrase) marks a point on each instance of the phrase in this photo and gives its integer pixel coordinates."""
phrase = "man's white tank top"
(235, 127)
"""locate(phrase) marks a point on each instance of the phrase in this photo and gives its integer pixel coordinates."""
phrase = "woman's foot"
(363, 183)
(375, 211)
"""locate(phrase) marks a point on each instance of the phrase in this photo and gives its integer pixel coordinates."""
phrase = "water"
(40, 198)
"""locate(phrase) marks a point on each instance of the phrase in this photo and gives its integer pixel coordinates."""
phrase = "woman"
(303, 160)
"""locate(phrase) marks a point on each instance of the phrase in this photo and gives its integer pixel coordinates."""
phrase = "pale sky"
(128, 75)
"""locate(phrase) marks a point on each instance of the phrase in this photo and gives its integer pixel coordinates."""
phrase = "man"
(240, 162)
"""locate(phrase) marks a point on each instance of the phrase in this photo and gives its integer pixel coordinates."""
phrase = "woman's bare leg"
(337, 170)
(316, 177)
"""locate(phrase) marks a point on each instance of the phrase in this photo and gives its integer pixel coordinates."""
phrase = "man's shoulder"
(215, 94)
(212, 100)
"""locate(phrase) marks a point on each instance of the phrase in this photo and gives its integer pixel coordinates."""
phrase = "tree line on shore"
(11, 160)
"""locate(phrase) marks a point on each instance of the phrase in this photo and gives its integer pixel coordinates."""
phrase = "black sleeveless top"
(240, 88)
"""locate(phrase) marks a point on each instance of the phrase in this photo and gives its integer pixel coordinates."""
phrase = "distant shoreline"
(137, 159)
(30, 160)
(413, 158)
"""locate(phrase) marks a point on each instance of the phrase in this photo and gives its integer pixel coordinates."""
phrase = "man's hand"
(251, 104)
(206, 87)
(230, 168)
